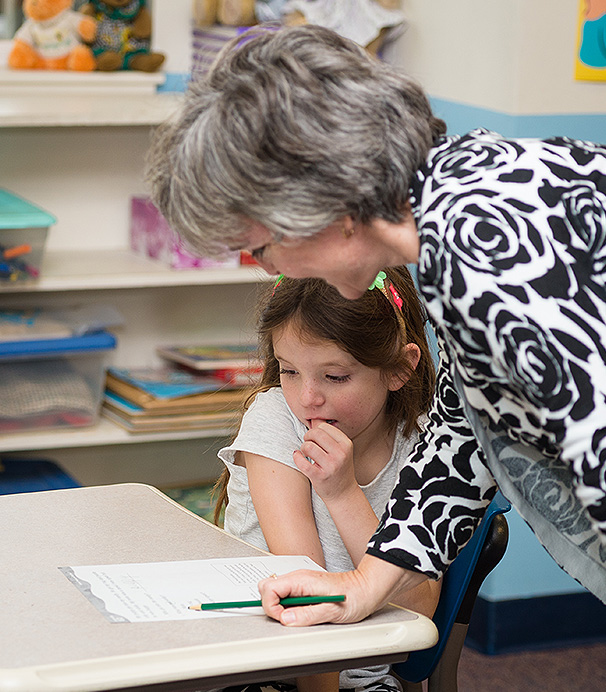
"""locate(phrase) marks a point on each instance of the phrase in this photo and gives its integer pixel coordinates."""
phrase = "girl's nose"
(311, 394)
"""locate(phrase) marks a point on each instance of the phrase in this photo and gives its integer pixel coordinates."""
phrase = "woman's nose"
(266, 263)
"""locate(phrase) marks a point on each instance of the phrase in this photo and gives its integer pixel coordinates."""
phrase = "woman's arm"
(367, 588)
(445, 478)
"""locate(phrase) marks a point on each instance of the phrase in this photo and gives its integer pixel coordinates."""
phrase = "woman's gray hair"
(292, 129)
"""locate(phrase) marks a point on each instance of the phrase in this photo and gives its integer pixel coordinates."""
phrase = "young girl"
(345, 387)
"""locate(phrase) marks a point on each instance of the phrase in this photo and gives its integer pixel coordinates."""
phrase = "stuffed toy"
(227, 12)
(204, 12)
(123, 35)
(51, 38)
(368, 22)
(236, 12)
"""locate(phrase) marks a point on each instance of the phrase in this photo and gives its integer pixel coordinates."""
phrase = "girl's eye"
(338, 378)
(285, 371)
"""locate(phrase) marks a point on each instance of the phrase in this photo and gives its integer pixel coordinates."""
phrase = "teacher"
(324, 162)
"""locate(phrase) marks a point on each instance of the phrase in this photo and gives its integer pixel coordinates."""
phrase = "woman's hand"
(332, 471)
(366, 589)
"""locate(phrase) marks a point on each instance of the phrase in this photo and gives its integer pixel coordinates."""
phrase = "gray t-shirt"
(270, 429)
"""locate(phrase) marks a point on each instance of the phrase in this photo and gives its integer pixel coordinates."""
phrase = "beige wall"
(513, 56)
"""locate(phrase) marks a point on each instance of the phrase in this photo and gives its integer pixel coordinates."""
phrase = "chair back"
(420, 664)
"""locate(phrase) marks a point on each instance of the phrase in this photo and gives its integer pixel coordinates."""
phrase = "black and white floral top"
(512, 269)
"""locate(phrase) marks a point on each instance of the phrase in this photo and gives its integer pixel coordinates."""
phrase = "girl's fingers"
(305, 464)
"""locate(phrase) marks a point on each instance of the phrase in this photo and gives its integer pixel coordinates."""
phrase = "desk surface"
(54, 639)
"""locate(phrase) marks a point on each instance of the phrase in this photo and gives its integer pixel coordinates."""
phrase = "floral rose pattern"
(512, 269)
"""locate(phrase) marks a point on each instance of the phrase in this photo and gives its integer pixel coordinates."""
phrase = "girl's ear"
(413, 355)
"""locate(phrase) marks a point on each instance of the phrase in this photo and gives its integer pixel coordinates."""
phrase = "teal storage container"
(23, 231)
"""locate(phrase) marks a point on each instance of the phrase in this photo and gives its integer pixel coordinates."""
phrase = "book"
(218, 402)
(31, 324)
(225, 357)
(35, 324)
(165, 423)
(158, 387)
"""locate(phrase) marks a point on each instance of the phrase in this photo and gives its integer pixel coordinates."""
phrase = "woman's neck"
(400, 240)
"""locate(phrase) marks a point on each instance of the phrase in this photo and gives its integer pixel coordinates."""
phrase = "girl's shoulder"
(269, 399)
(271, 408)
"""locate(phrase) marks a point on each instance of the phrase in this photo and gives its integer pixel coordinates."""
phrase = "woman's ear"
(413, 356)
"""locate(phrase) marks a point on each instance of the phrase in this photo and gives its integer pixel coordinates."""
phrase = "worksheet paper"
(156, 591)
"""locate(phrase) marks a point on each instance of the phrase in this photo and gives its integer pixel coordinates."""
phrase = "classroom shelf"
(77, 142)
(38, 98)
(103, 434)
(85, 270)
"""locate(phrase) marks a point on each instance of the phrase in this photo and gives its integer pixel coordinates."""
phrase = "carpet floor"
(576, 669)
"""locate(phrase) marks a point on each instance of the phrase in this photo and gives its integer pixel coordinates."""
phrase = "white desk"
(52, 638)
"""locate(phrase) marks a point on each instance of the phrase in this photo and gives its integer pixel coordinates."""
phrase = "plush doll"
(123, 35)
(236, 12)
(204, 12)
(227, 12)
(51, 38)
(368, 22)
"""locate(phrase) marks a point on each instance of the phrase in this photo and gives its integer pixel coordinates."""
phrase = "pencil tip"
(195, 607)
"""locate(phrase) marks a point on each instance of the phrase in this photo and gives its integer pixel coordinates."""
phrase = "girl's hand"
(331, 469)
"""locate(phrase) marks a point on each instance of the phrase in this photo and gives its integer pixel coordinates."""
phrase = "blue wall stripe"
(175, 81)
(462, 118)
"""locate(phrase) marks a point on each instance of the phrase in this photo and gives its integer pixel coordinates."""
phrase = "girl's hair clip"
(379, 282)
(396, 297)
(277, 283)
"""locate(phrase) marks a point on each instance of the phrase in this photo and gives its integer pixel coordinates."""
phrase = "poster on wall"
(590, 62)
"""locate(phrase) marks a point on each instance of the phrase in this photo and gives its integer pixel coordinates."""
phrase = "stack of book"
(234, 364)
(163, 399)
(199, 387)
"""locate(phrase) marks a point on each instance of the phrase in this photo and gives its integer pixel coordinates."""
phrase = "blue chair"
(460, 587)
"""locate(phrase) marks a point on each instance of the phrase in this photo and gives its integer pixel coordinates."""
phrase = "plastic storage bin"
(23, 231)
(52, 383)
(32, 475)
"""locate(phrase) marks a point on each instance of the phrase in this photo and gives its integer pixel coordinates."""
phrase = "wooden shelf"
(85, 270)
(46, 98)
(82, 110)
(103, 434)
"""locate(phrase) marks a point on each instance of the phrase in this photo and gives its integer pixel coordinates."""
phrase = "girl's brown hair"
(372, 329)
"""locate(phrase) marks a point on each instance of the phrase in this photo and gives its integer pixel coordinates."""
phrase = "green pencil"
(293, 601)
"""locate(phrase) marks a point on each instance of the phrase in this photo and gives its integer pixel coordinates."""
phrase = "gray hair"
(292, 129)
